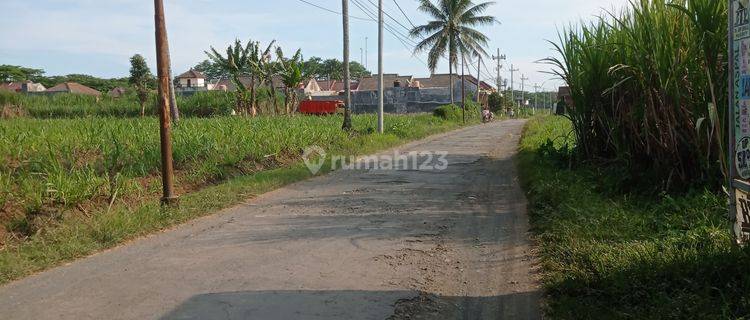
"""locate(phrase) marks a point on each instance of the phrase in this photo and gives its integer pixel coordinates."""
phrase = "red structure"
(320, 107)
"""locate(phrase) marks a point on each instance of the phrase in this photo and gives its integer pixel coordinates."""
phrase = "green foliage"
(9, 73)
(333, 69)
(609, 255)
(648, 90)
(456, 113)
(140, 77)
(495, 101)
(452, 30)
(103, 85)
(291, 74)
(202, 104)
(211, 70)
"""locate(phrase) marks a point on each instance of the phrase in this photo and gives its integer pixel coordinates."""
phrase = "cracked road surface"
(354, 244)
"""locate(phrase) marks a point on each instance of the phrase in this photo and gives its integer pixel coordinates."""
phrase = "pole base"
(170, 201)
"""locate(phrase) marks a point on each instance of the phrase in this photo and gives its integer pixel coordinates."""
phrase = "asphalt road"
(355, 244)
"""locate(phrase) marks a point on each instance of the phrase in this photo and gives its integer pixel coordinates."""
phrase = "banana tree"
(292, 75)
(237, 63)
(266, 69)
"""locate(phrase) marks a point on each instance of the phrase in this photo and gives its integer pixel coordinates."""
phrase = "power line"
(404, 39)
(332, 11)
(404, 13)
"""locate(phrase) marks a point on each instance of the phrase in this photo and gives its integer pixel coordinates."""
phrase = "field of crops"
(202, 104)
(649, 91)
(69, 187)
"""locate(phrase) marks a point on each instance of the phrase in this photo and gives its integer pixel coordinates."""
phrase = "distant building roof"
(370, 83)
(73, 87)
(191, 74)
(563, 92)
(11, 86)
(437, 81)
(337, 85)
(117, 92)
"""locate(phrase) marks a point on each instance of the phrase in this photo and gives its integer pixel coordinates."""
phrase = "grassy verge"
(608, 255)
(226, 160)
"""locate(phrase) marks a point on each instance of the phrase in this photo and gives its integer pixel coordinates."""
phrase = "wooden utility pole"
(162, 67)
(347, 87)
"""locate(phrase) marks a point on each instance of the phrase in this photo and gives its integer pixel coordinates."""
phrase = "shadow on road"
(349, 305)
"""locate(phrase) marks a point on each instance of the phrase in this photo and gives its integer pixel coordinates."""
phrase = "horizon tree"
(452, 31)
(140, 77)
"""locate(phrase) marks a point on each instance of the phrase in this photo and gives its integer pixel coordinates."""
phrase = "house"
(563, 93)
(191, 81)
(335, 87)
(117, 92)
(390, 80)
(11, 86)
(312, 86)
(25, 87)
(73, 87)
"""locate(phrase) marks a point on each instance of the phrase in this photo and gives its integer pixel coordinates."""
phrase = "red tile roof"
(336, 85)
(73, 87)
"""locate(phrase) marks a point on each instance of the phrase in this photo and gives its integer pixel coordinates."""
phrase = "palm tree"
(452, 31)
(237, 63)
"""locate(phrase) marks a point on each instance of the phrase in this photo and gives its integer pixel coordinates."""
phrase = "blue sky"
(97, 36)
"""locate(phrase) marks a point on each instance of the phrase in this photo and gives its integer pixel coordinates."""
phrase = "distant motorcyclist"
(487, 115)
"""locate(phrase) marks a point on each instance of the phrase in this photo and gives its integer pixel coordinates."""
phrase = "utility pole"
(367, 39)
(536, 93)
(479, 76)
(499, 79)
(380, 66)
(361, 56)
(347, 87)
(463, 87)
(162, 67)
(523, 89)
(512, 85)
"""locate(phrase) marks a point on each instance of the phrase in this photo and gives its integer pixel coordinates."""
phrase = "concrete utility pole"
(463, 87)
(536, 93)
(512, 85)
(162, 67)
(479, 76)
(347, 87)
(380, 66)
(499, 79)
(367, 39)
(523, 89)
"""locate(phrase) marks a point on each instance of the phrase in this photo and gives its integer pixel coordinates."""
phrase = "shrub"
(648, 90)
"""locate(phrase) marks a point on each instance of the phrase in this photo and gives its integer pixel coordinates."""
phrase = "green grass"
(59, 177)
(609, 255)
